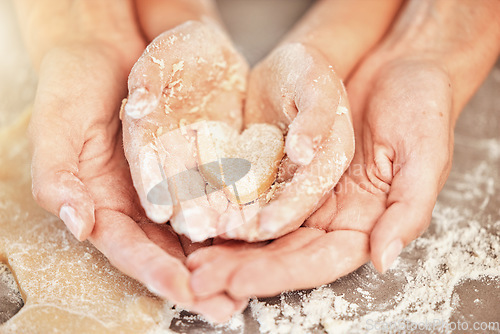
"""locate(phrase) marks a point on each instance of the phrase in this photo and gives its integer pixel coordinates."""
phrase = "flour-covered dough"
(67, 286)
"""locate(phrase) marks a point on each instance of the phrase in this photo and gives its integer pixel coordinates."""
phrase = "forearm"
(47, 24)
(345, 30)
(157, 16)
(462, 37)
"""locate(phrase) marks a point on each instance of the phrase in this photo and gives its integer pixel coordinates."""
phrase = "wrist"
(461, 38)
(344, 31)
(158, 16)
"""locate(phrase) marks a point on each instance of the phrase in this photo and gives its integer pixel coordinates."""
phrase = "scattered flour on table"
(455, 249)
(455, 252)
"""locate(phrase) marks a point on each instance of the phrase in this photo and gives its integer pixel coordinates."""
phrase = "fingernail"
(156, 198)
(198, 283)
(391, 253)
(300, 149)
(71, 220)
(182, 293)
(140, 103)
(155, 290)
(240, 305)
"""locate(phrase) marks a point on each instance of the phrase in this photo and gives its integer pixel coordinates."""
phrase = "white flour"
(455, 248)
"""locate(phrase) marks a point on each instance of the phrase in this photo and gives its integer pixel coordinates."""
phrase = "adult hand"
(404, 102)
(84, 53)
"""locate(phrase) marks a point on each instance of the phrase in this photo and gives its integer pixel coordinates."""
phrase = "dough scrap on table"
(67, 286)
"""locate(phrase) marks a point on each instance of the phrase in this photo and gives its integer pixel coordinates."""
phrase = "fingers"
(154, 256)
(164, 237)
(193, 216)
(148, 177)
(324, 260)
(198, 223)
(213, 267)
(410, 203)
(216, 308)
(54, 170)
(129, 249)
(240, 222)
(219, 308)
(209, 254)
(321, 259)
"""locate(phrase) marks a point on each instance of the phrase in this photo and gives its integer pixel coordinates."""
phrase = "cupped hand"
(186, 76)
(79, 169)
(402, 120)
(297, 90)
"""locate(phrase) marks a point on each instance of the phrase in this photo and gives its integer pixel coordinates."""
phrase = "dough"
(67, 286)
(247, 163)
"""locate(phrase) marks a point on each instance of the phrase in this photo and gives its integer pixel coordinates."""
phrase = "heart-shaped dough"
(247, 162)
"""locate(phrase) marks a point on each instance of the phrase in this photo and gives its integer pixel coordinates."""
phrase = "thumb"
(55, 184)
(320, 97)
(57, 140)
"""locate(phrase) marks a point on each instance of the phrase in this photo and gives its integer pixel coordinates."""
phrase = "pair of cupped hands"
(375, 154)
